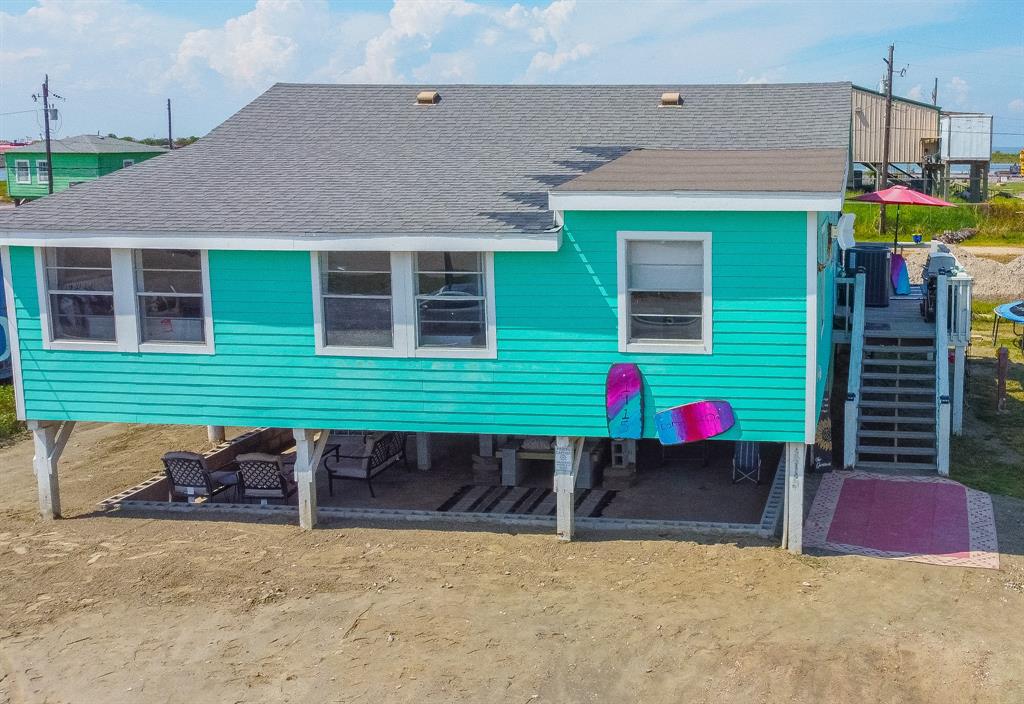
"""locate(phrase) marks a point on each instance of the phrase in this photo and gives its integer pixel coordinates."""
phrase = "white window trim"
(28, 169)
(125, 163)
(403, 314)
(126, 319)
(703, 346)
(39, 180)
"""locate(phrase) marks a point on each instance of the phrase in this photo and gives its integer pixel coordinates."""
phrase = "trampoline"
(1014, 312)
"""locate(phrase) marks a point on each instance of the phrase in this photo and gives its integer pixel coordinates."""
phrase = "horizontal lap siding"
(556, 315)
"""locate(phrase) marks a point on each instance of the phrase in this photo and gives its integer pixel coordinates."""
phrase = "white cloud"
(1016, 105)
(410, 21)
(255, 48)
(545, 62)
(916, 92)
(959, 89)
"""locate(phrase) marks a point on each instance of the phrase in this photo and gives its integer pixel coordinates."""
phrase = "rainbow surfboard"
(693, 421)
(624, 398)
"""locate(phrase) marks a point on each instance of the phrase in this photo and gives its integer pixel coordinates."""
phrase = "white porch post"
(307, 459)
(796, 454)
(959, 364)
(50, 438)
(423, 451)
(567, 465)
(215, 433)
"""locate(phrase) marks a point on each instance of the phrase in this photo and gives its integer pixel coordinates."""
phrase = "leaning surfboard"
(693, 421)
(624, 396)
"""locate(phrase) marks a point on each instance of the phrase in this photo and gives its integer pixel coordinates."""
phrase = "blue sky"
(116, 61)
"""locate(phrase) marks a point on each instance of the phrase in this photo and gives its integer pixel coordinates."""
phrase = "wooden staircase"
(897, 421)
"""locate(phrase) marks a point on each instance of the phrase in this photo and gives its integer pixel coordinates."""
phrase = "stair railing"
(942, 405)
(844, 308)
(852, 410)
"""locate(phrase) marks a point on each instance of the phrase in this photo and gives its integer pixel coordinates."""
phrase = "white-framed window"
(404, 304)
(22, 171)
(42, 171)
(127, 162)
(124, 300)
(664, 292)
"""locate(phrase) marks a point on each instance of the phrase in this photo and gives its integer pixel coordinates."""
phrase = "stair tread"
(896, 404)
(907, 349)
(897, 434)
(900, 362)
(870, 464)
(896, 376)
(916, 390)
(882, 450)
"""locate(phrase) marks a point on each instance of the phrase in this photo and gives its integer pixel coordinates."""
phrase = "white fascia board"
(549, 241)
(695, 200)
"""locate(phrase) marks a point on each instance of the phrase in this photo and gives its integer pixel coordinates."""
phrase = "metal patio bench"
(363, 456)
(190, 478)
(263, 476)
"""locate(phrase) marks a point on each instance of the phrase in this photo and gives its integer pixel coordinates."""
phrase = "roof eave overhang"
(548, 241)
(747, 201)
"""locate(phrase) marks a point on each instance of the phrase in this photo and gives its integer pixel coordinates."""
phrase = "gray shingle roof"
(740, 170)
(86, 144)
(366, 159)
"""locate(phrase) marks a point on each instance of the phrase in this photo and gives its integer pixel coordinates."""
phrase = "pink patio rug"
(923, 519)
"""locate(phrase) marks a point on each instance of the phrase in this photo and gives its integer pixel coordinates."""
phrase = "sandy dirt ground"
(118, 609)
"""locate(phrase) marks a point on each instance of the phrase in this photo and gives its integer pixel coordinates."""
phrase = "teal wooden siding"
(556, 331)
(827, 257)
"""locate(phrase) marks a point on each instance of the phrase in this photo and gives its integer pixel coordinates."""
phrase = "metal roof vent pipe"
(428, 97)
(671, 100)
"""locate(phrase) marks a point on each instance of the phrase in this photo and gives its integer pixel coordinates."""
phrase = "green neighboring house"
(465, 261)
(75, 160)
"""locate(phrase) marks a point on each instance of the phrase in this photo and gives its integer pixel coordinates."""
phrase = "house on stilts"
(464, 265)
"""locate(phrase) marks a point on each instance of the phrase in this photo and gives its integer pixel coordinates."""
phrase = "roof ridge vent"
(428, 97)
(671, 100)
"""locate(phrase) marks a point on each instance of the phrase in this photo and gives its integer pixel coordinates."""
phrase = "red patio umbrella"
(901, 195)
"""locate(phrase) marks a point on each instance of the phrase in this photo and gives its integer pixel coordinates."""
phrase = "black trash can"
(875, 261)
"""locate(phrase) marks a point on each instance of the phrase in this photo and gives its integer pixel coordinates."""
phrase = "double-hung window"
(22, 171)
(664, 292)
(403, 304)
(357, 300)
(43, 171)
(80, 294)
(123, 300)
(169, 295)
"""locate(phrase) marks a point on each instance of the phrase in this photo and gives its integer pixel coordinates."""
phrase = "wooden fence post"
(1002, 367)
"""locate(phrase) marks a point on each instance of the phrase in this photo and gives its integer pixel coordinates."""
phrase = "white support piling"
(215, 433)
(796, 455)
(567, 464)
(959, 369)
(423, 451)
(50, 438)
(307, 459)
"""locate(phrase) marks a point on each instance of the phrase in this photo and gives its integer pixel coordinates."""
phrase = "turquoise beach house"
(465, 259)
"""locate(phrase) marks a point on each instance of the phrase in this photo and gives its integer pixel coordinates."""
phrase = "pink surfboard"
(624, 398)
(694, 421)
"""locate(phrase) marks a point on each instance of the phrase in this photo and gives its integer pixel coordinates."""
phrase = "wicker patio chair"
(363, 457)
(190, 478)
(746, 462)
(264, 477)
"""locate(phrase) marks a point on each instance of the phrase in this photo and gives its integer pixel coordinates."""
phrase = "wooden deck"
(902, 318)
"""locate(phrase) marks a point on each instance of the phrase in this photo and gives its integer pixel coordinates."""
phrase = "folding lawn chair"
(746, 462)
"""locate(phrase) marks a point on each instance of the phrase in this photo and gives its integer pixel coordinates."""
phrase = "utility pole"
(883, 179)
(935, 92)
(46, 122)
(170, 140)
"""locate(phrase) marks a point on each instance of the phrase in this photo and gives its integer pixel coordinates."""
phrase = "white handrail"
(960, 286)
(856, 365)
(942, 405)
